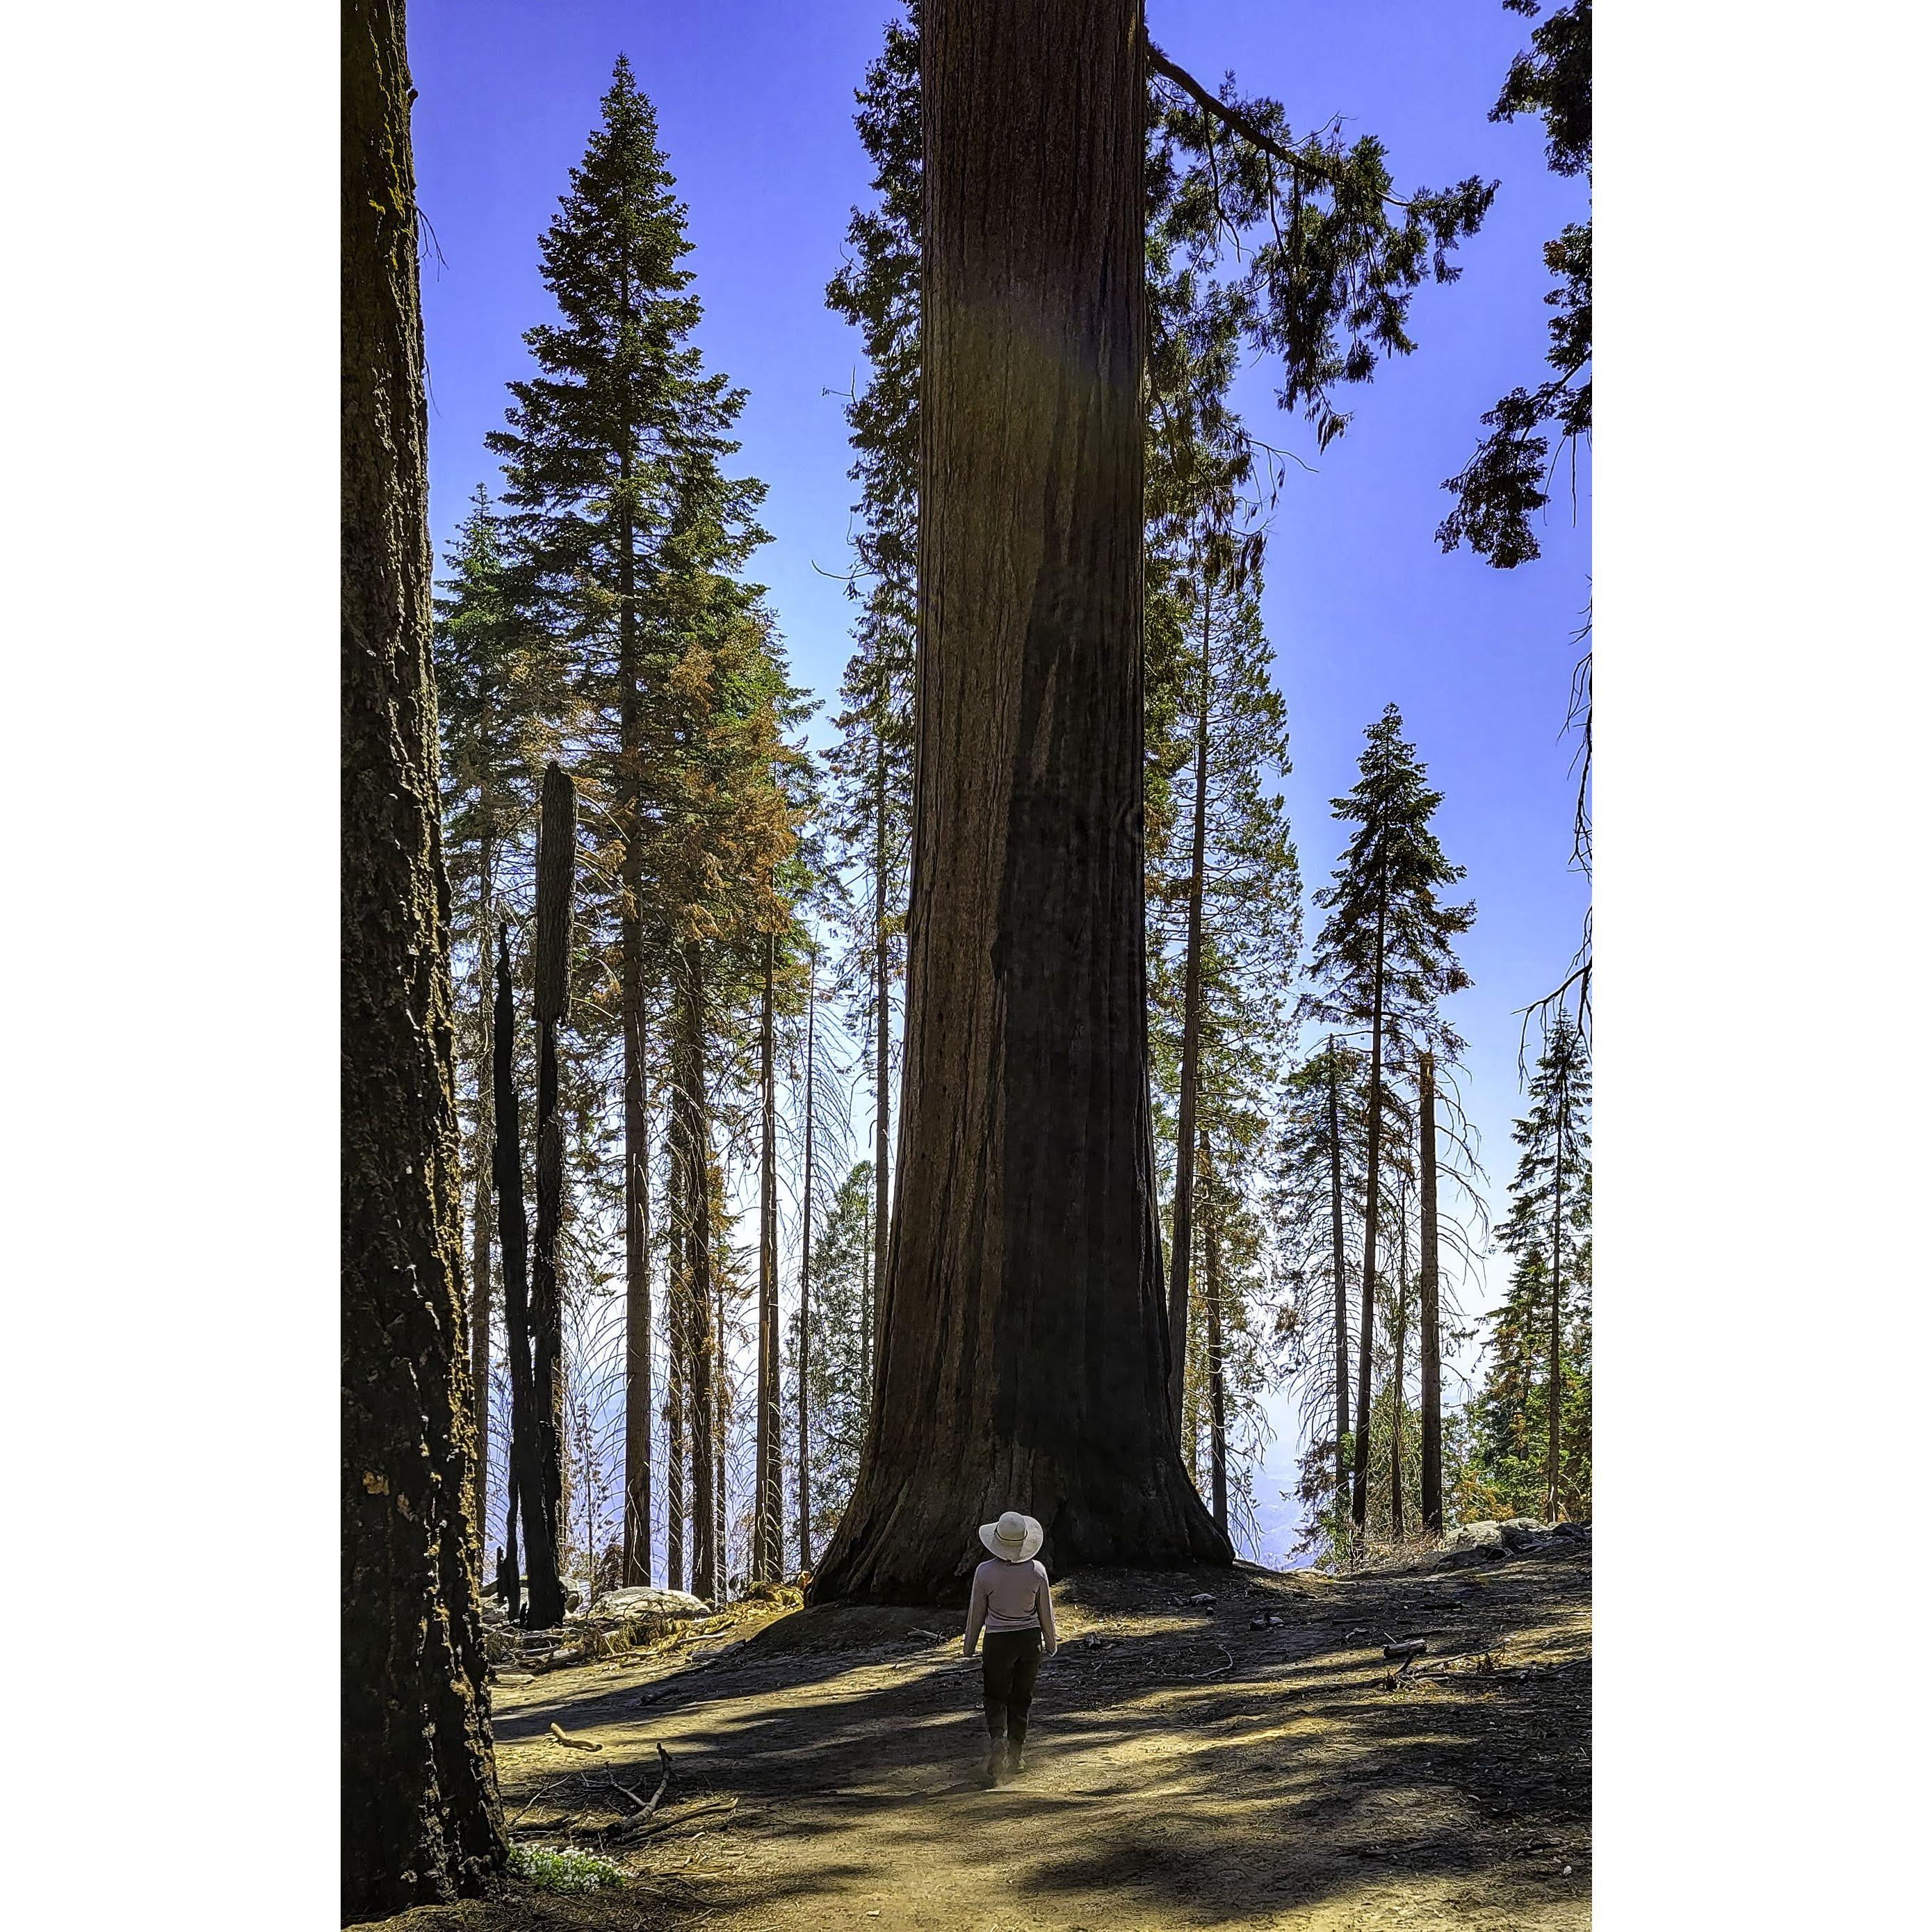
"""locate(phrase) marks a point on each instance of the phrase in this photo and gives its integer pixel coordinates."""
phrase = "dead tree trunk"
(805, 1283)
(1023, 1352)
(1190, 1039)
(556, 868)
(767, 1518)
(525, 1483)
(421, 1821)
(1432, 1329)
(1340, 1265)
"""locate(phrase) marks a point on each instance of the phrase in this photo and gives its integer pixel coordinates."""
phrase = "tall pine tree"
(1383, 961)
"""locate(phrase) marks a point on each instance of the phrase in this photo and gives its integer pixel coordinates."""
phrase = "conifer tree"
(1549, 1210)
(1502, 486)
(830, 1377)
(1383, 961)
(622, 520)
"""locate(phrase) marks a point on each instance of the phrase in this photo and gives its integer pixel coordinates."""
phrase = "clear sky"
(754, 100)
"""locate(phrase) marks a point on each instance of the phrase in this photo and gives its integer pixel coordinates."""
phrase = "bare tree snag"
(557, 874)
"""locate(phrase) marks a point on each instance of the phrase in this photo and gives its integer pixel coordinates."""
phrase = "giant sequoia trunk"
(421, 1819)
(1023, 1352)
(1432, 1327)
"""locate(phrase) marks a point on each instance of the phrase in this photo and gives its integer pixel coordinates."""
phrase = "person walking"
(1013, 1601)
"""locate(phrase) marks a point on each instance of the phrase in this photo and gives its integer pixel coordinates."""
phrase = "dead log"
(1411, 1646)
(559, 1735)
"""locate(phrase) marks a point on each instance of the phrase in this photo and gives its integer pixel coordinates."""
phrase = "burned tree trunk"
(1432, 1330)
(513, 1239)
(556, 870)
(1023, 1352)
(420, 1817)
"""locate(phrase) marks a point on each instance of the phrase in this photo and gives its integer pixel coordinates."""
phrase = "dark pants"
(1008, 1666)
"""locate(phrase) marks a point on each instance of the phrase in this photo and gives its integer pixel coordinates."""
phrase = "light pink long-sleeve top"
(1010, 1597)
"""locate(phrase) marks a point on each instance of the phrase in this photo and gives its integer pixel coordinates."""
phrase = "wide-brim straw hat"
(1014, 1537)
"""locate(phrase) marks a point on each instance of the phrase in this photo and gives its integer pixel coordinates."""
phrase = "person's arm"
(976, 1612)
(1047, 1630)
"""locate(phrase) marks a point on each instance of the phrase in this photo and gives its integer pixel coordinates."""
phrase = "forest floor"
(1184, 1770)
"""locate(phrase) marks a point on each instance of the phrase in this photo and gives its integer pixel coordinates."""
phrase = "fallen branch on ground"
(559, 1735)
(645, 1811)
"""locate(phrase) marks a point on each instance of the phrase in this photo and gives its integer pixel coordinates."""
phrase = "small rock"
(1203, 1597)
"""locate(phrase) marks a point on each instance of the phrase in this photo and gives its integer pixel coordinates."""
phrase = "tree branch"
(1238, 123)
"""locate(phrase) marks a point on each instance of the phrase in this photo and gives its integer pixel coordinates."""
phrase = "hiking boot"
(1015, 1756)
(996, 1763)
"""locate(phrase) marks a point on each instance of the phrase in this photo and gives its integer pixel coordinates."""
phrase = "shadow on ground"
(1187, 1770)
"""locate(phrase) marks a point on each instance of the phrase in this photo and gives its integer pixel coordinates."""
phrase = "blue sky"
(755, 104)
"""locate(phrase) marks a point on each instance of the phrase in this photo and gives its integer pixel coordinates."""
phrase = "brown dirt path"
(1189, 1771)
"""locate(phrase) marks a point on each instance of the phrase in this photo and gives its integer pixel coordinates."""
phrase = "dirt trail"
(1187, 1770)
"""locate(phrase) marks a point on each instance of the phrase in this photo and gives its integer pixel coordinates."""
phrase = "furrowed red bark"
(421, 1821)
(1023, 1352)
(1432, 1330)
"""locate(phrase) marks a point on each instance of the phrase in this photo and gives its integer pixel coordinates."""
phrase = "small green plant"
(563, 1869)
